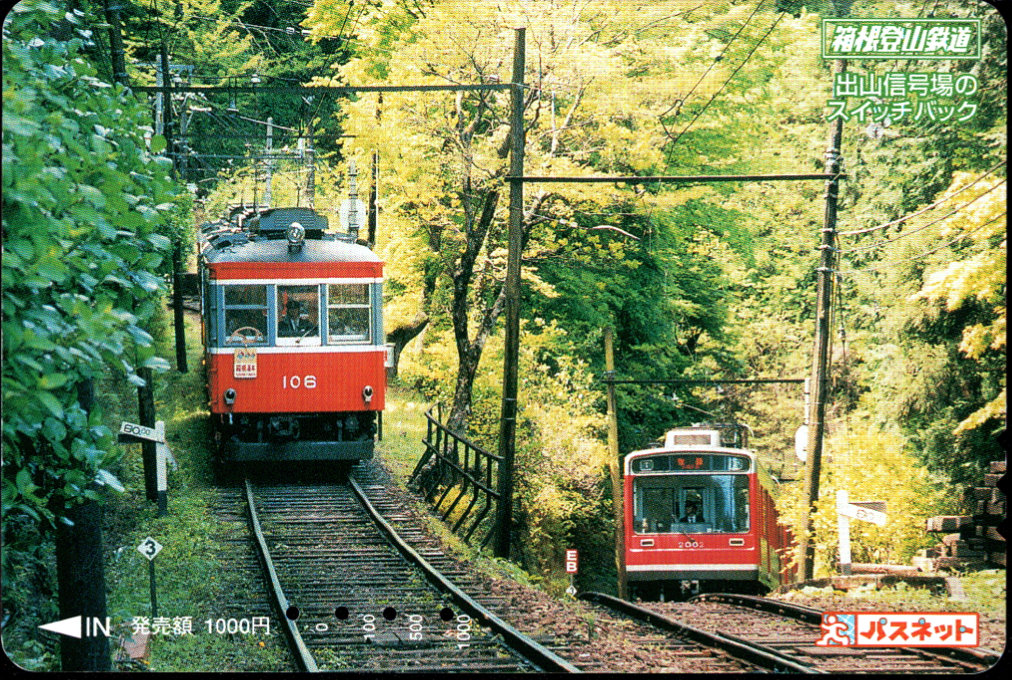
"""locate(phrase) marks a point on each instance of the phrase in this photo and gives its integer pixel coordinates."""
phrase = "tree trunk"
(401, 336)
(468, 350)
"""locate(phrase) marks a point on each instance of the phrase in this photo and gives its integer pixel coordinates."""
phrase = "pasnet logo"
(899, 629)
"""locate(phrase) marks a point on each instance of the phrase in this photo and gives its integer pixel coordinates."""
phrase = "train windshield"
(245, 315)
(691, 504)
(299, 315)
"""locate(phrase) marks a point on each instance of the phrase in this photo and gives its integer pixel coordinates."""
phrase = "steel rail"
(751, 652)
(967, 657)
(303, 658)
(763, 604)
(534, 652)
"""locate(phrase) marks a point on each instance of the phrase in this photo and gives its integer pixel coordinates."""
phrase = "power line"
(729, 79)
(684, 99)
(886, 265)
(919, 212)
(922, 228)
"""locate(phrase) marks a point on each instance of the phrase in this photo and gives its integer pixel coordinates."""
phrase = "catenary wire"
(925, 226)
(886, 265)
(924, 210)
(729, 79)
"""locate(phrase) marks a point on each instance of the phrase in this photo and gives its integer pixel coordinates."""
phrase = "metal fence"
(452, 465)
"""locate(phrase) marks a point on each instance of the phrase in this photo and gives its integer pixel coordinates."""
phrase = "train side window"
(209, 305)
(298, 315)
(245, 314)
(348, 313)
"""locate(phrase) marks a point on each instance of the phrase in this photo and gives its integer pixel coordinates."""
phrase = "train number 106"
(296, 381)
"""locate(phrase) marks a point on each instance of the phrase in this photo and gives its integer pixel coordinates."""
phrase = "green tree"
(87, 214)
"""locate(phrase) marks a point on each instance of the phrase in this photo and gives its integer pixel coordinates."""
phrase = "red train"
(700, 517)
(293, 336)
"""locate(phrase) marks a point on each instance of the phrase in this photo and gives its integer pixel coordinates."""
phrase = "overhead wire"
(713, 63)
(890, 263)
(729, 79)
(925, 226)
(924, 210)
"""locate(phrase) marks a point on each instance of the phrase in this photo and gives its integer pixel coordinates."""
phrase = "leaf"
(24, 482)
(158, 144)
(51, 381)
(156, 363)
(105, 477)
(51, 403)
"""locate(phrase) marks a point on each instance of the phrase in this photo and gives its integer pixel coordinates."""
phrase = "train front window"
(245, 314)
(691, 504)
(299, 315)
(348, 313)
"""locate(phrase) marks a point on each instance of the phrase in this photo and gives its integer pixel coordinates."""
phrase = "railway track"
(346, 572)
(791, 630)
(757, 654)
(591, 639)
(352, 595)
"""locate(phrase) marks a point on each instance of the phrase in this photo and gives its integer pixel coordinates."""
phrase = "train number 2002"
(296, 381)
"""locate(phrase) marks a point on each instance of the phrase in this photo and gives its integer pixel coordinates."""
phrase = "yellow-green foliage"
(870, 464)
(561, 454)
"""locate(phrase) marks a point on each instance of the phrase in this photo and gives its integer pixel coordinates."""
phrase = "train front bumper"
(297, 450)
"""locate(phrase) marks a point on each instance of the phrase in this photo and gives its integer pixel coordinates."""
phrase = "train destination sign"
(691, 462)
(244, 363)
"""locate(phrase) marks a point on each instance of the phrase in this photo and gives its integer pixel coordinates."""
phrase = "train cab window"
(691, 504)
(245, 314)
(348, 313)
(298, 315)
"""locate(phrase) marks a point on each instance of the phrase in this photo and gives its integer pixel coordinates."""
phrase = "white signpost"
(150, 548)
(572, 564)
(134, 433)
(866, 511)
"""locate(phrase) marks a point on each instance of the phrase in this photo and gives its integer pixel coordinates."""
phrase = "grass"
(404, 429)
(192, 578)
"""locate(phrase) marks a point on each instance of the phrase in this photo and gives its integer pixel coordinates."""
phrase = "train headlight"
(296, 235)
(367, 394)
(229, 396)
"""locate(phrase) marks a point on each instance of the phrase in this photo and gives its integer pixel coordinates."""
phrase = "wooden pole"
(617, 492)
(146, 416)
(816, 427)
(507, 426)
(80, 575)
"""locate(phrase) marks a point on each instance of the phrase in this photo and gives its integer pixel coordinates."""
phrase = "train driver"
(692, 513)
(293, 325)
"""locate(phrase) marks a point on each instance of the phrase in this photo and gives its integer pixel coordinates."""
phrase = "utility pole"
(617, 495)
(177, 248)
(311, 179)
(270, 161)
(80, 572)
(508, 422)
(374, 199)
(816, 422)
(118, 58)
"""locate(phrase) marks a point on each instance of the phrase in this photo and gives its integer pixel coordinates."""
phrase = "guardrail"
(452, 462)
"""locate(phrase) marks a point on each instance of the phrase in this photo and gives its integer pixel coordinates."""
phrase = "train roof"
(276, 250)
(691, 448)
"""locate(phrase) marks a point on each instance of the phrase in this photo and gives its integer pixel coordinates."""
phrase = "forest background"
(708, 281)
